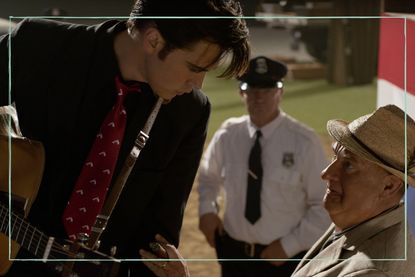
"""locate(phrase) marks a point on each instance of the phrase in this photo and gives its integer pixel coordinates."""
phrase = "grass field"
(312, 102)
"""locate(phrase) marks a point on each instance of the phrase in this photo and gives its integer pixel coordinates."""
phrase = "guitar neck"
(45, 247)
(28, 236)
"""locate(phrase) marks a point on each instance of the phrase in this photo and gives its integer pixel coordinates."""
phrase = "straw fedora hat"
(380, 138)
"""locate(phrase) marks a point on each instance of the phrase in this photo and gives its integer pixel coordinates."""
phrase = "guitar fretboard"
(25, 234)
(36, 242)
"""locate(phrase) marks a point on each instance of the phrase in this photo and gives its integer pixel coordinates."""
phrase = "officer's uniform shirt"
(292, 190)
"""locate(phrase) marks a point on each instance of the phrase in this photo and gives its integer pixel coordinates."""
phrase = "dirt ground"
(193, 244)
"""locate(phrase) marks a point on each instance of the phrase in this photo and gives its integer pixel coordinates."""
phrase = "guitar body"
(27, 162)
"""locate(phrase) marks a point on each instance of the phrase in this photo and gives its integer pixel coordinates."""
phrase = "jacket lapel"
(322, 260)
(313, 252)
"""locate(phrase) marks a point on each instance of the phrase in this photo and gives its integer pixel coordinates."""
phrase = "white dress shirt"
(292, 190)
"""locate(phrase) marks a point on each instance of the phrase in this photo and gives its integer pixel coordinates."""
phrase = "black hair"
(228, 29)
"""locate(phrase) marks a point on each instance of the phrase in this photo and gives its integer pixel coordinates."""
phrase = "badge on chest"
(288, 159)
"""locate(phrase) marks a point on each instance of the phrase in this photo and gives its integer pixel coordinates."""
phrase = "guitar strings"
(34, 234)
(56, 251)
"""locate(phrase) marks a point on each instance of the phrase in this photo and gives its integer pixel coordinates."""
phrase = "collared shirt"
(292, 190)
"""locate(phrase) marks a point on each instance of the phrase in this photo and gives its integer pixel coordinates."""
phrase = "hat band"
(373, 153)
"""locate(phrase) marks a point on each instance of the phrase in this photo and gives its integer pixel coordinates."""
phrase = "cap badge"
(261, 66)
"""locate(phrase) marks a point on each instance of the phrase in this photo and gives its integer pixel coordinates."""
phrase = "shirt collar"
(268, 129)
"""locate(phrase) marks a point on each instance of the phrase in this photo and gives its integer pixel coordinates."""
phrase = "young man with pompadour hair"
(71, 82)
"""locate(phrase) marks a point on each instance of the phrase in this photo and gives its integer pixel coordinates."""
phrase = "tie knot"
(258, 134)
(123, 88)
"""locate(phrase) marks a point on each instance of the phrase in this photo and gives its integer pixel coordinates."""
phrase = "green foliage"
(311, 102)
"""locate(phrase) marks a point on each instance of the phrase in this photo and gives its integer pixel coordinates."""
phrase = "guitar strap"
(114, 194)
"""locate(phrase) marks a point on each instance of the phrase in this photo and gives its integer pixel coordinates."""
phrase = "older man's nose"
(329, 171)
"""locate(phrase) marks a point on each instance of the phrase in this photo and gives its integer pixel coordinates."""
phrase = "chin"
(166, 96)
(330, 204)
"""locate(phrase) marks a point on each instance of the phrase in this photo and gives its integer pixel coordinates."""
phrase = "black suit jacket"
(62, 83)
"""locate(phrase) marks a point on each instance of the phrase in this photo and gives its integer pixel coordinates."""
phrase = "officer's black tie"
(253, 193)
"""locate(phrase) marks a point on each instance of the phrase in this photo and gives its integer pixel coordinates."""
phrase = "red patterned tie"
(91, 188)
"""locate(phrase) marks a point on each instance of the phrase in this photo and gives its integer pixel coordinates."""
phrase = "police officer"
(269, 166)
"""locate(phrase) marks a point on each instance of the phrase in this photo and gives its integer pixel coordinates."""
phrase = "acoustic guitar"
(53, 251)
(21, 166)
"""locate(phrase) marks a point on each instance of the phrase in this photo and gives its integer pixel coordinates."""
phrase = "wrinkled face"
(181, 70)
(354, 186)
(262, 103)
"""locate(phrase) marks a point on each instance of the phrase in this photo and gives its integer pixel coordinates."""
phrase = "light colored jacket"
(374, 248)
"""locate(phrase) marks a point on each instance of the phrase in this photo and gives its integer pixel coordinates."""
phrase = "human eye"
(196, 69)
(347, 165)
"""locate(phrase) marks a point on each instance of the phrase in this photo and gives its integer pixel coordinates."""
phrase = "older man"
(365, 185)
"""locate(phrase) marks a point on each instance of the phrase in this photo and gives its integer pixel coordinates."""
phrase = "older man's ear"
(392, 187)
